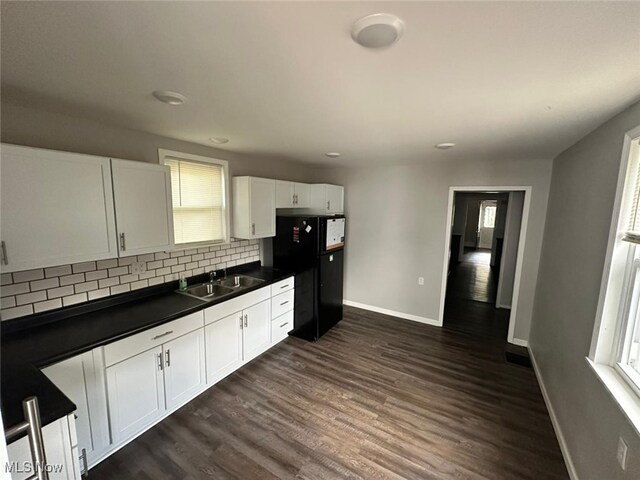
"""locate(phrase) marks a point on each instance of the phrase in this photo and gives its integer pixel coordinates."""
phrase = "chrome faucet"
(212, 275)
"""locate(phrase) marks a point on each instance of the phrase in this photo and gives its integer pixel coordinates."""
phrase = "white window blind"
(632, 231)
(199, 210)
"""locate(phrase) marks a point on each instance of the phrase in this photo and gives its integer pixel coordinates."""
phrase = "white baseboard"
(393, 313)
(520, 342)
(573, 474)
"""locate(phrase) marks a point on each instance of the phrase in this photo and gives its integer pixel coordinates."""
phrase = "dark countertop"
(34, 342)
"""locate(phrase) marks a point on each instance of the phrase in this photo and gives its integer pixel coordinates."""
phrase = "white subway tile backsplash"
(71, 279)
(39, 290)
(73, 299)
(85, 287)
(84, 267)
(31, 298)
(48, 305)
(104, 292)
(60, 292)
(44, 284)
(108, 282)
(111, 263)
(7, 302)
(28, 275)
(120, 289)
(97, 275)
(10, 313)
(14, 289)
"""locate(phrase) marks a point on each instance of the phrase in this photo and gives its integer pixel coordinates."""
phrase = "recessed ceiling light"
(219, 140)
(377, 30)
(170, 98)
(445, 146)
(332, 154)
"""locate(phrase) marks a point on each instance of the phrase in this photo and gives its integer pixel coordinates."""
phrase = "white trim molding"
(564, 449)
(520, 342)
(393, 313)
(519, 258)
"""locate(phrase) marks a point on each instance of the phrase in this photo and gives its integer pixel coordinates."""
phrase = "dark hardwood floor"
(472, 278)
(376, 398)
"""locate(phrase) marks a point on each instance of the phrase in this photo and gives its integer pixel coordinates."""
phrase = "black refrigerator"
(312, 247)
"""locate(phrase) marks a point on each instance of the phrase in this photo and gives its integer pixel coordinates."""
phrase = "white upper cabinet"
(292, 194)
(327, 199)
(57, 208)
(254, 207)
(144, 215)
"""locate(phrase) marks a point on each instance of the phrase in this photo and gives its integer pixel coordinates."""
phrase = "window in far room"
(199, 187)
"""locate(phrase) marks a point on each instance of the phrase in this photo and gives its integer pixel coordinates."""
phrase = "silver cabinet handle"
(328, 204)
(240, 322)
(167, 355)
(285, 323)
(162, 335)
(122, 242)
(284, 286)
(5, 259)
(284, 303)
(84, 473)
(253, 229)
(160, 367)
(33, 426)
(246, 320)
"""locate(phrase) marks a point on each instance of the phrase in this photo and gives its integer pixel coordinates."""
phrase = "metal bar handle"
(246, 320)
(167, 354)
(5, 258)
(160, 367)
(122, 242)
(33, 426)
(283, 324)
(162, 335)
(284, 303)
(240, 322)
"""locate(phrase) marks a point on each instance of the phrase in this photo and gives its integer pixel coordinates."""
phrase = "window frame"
(164, 154)
(619, 298)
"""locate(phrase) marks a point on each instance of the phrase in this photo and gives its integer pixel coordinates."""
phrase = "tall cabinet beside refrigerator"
(312, 247)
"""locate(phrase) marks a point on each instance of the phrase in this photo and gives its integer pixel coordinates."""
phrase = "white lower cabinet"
(127, 386)
(136, 393)
(60, 448)
(145, 387)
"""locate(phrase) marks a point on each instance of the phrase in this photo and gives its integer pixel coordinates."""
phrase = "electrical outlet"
(622, 453)
(138, 267)
(420, 280)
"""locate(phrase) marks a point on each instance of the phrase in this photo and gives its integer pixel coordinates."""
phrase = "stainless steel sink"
(208, 291)
(240, 281)
(220, 288)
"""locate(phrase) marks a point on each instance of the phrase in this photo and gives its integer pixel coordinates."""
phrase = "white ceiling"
(502, 80)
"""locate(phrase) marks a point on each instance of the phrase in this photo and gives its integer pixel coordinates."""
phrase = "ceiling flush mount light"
(170, 98)
(378, 30)
(332, 154)
(445, 146)
(219, 140)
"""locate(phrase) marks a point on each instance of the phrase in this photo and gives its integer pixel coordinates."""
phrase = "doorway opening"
(485, 242)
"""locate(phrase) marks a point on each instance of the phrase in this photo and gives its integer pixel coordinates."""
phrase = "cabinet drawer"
(281, 286)
(128, 347)
(234, 305)
(281, 303)
(281, 326)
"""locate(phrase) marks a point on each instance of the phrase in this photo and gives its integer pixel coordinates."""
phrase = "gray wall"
(45, 129)
(575, 241)
(397, 217)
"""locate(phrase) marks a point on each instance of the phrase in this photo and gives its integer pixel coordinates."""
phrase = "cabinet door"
(144, 215)
(303, 192)
(69, 377)
(57, 208)
(256, 334)
(58, 450)
(335, 199)
(263, 207)
(223, 347)
(135, 389)
(184, 370)
(284, 194)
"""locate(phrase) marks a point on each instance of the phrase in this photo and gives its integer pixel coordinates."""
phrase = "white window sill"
(627, 399)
